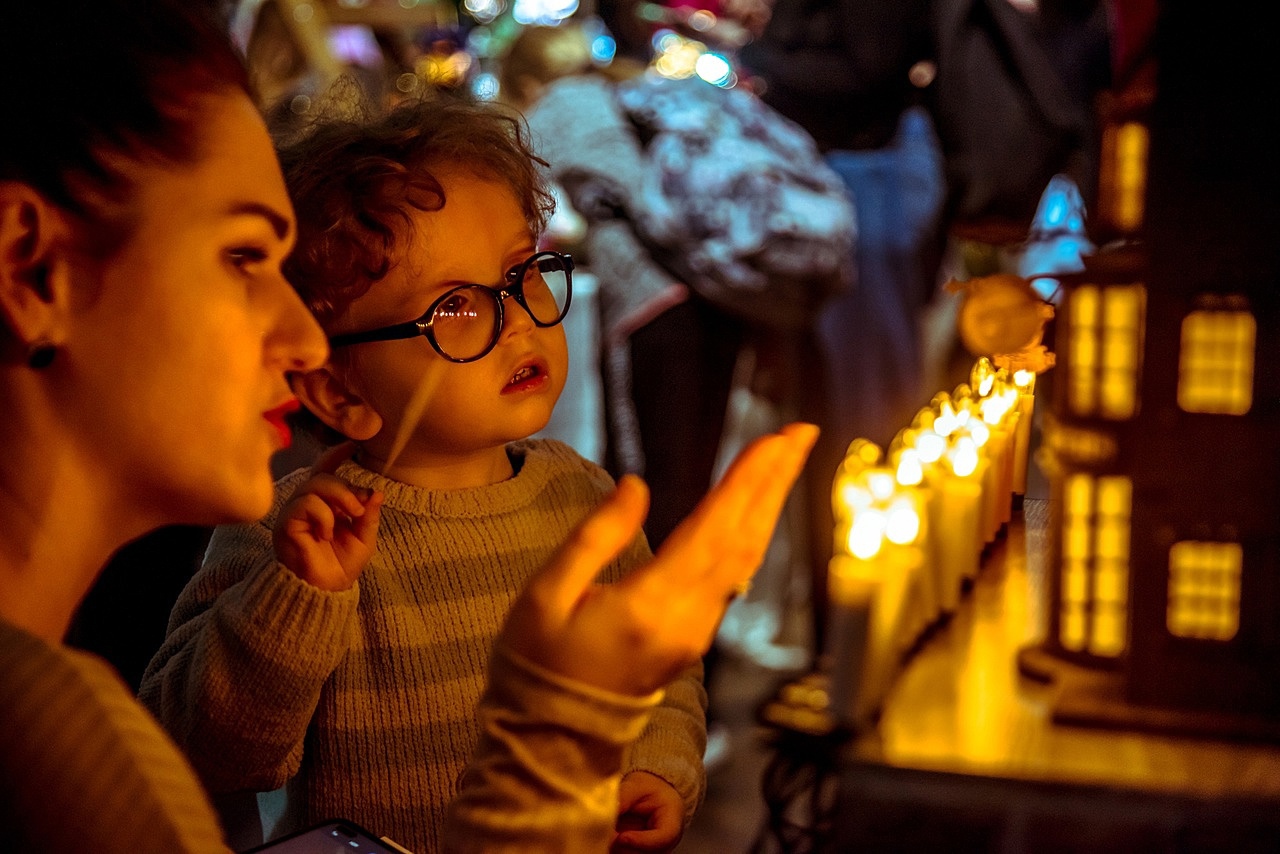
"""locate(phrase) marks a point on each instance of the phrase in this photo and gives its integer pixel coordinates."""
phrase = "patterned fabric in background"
(737, 202)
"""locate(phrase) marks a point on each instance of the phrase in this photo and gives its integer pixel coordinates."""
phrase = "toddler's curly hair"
(354, 181)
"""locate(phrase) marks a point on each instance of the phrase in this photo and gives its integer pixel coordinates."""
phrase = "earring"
(40, 354)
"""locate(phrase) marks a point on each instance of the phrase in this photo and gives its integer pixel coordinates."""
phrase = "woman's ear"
(332, 401)
(35, 264)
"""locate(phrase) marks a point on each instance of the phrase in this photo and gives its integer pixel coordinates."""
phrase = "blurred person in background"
(840, 68)
(667, 355)
(947, 119)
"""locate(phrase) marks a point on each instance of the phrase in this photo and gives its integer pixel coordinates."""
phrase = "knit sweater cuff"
(545, 775)
(275, 610)
(526, 688)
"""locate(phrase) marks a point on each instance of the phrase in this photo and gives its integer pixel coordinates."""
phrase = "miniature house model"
(1163, 421)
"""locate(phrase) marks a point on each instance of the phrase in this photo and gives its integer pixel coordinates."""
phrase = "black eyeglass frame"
(423, 325)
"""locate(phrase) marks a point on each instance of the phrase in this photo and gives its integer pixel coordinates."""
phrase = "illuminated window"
(1204, 590)
(1124, 174)
(1106, 336)
(1215, 370)
(1095, 565)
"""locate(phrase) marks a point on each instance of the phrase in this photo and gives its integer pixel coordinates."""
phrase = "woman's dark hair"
(87, 82)
(355, 183)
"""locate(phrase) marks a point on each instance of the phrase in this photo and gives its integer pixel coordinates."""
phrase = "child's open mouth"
(527, 377)
(523, 374)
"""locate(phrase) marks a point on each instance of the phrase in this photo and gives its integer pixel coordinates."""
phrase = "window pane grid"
(1204, 590)
(1106, 325)
(1095, 565)
(1084, 357)
(1131, 158)
(1215, 370)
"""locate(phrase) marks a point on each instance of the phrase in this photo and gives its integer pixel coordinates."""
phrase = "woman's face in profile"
(180, 356)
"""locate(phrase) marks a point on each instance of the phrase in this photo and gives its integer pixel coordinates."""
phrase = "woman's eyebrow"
(280, 223)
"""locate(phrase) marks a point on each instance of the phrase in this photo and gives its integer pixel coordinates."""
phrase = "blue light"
(603, 49)
(485, 86)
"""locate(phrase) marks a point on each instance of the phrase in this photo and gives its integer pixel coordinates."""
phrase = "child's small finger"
(317, 515)
(365, 526)
(348, 499)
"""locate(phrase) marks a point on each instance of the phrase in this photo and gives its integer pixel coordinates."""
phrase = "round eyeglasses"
(465, 323)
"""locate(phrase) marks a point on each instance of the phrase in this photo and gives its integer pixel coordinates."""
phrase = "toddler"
(340, 645)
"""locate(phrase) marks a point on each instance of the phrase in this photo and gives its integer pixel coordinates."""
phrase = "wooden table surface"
(961, 706)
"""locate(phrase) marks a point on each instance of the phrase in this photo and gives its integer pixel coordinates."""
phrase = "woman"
(145, 335)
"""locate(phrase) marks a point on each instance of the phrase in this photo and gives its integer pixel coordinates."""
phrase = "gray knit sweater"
(364, 701)
(83, 767)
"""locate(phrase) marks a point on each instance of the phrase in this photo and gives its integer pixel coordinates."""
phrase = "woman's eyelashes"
(246, 259)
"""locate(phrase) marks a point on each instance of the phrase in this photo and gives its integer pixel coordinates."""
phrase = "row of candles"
(912, 523)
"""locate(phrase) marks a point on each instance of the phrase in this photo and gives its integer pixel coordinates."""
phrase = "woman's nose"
(296, 342)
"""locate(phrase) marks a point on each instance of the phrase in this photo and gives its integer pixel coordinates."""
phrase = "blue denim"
(870, 336)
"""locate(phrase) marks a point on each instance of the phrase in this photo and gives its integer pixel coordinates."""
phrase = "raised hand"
(328, 531)
(634, 636)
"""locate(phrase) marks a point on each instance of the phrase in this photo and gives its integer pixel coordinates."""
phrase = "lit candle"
(854, 577)
(957, 527)
(909, 472)
(852, 588)
(969, 422)
(903, 527)
(945, 565)
(997, 413)
(987, 471)
(895, 512)
(868, 590)
(1025, 383)
(872, 576)
(962, 503)
(852, 584)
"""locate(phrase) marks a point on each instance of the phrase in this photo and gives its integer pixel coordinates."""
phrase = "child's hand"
(634, 636)
(650, 814)
(327, 532)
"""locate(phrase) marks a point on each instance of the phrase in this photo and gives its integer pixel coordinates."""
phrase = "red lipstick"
(276, 418)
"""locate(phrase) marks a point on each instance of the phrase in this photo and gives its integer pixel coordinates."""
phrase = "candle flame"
(980, 433)
(855, 497)
(930, 446)
(866, 535)
(910, 472)
(881, 483)
(862, 453)
(902, 523)
(963, 457)
(982, 375)
(994, 408)
(946, 422)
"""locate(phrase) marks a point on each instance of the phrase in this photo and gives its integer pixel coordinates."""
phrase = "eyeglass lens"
(465, 323)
